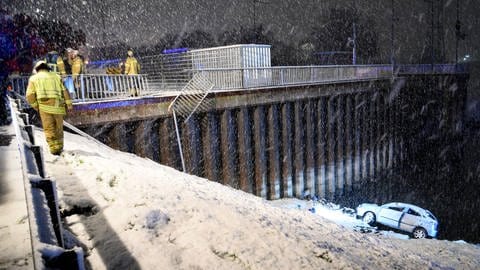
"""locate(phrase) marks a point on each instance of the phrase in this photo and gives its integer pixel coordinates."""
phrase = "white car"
(420, 223)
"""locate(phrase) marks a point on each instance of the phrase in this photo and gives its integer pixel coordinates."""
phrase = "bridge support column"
(119, 137)
(274, 166)
(349, 138)
(260, 135)
(374, 137)
(394, 115)
(193, 145)
(229, 140)
(144, 139)
(366, 131)
(332, 148)
(340, 139)
(322, 146)
(211, 148)
(311, 147)
(358, 129)
(288, 170)
(299, 149)
(169, 153)
(246, 154)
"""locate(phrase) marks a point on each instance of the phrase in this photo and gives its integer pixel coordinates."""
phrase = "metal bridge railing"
(106, 86)
(174, 76)
(93, 87)
(225, 79)
(435, 69)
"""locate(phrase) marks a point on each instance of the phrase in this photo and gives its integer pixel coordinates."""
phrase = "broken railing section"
(192, 98)
(46, 232)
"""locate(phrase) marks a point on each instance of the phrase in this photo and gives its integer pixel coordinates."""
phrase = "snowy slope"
(129, 212)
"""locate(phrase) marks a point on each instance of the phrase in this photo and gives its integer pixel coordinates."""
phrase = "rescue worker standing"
(55, 63)
(132, 67)
(47, 94)
(61, 69)
(77, 68)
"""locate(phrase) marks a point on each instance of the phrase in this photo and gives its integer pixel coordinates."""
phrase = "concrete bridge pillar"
(322, 146)
(274, 153)
(332, 147)
(349, 142)
(375, 135)
(145, 139)
(366, 131)
(311, 147)
(192, 146)
(299, 149)
(169, 153)
(341, 145)
(229, 139)
(246, 152)
(261, 165)
(288, 169)
(211, 148)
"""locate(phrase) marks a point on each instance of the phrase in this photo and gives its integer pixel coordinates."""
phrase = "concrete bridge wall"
(320, 140)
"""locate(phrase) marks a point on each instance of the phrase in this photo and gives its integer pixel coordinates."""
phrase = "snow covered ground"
(130, 213)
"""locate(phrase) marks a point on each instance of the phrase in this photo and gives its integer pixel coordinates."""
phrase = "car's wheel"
(419, 233)
(369, 218)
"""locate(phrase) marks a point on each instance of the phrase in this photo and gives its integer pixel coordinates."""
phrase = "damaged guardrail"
(46, 232)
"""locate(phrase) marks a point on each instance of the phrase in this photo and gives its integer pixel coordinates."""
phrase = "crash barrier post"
(46, 232)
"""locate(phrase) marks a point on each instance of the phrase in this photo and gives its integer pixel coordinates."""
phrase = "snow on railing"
(46, 232)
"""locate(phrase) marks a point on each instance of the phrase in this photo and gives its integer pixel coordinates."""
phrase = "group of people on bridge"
(53, 82)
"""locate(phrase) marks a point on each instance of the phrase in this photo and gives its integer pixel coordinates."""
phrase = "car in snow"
(419, 222)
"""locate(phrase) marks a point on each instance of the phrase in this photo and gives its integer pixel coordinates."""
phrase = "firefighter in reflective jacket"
(47, 94)
(77, 67)
(132, 67)
(55, 63)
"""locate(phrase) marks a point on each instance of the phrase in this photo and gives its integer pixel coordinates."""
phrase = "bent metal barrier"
(46, 231)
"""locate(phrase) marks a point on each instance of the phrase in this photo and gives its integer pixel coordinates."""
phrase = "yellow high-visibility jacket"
(46, 92)
(132, 67)
(61, 66)
(77, 66)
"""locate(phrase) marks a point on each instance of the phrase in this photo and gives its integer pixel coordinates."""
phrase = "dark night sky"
(145, 22)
